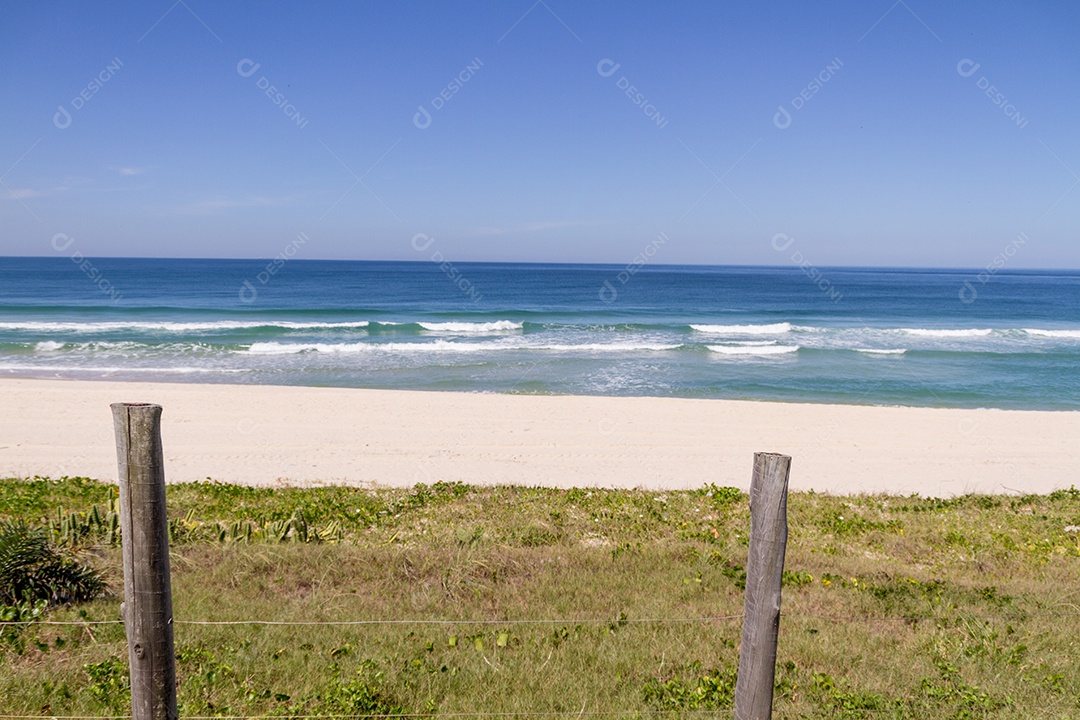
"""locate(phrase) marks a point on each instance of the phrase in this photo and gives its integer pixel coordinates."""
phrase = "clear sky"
(877, 132)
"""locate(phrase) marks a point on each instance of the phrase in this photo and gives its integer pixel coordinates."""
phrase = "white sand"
(265, 435)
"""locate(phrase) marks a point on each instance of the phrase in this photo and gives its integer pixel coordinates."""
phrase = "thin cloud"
(21, 193)
(129, 170)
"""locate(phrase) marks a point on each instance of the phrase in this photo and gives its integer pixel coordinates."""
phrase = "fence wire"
(562, 621)
(1044, 709)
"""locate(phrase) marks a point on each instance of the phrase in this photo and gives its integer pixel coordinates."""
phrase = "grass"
(898, 607)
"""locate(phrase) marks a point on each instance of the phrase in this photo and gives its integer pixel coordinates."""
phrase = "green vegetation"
(32, 570)
(35, 575)
(896, 607)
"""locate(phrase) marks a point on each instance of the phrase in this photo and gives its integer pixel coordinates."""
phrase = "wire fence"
(1042, 710)
(149, 515)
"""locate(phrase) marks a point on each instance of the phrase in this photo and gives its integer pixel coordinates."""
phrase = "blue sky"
(906, 133)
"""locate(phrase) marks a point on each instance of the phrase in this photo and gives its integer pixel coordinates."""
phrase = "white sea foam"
(276, 348)
(438, 346)
(183, 370)
(1053, 333)
(131, 346)
(928, 332)
(771, 329)
(114, 369)
(50, 346)
(175, 327)
(753, 349)
(602, 347)
(446, 346)
(881, 351)
(468, 327)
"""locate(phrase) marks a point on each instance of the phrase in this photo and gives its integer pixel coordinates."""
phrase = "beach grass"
(577, 602)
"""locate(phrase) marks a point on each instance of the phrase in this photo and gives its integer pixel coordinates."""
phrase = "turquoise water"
(941, 338)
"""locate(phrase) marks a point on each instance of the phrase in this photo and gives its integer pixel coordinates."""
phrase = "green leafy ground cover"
(572, 602)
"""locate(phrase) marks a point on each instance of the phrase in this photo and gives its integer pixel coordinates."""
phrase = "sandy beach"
(267, 435)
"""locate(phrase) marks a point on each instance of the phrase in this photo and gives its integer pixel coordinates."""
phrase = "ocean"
(934, 338)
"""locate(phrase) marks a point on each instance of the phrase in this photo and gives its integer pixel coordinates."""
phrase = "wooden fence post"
(147, 609)
(764, 573)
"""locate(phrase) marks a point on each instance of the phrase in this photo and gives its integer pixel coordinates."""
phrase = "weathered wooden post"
(764, 573)
(147, 608)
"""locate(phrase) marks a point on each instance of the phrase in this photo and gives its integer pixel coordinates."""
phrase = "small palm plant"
(32, 570)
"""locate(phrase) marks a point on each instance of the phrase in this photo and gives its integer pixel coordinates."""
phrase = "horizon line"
(794, 266)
